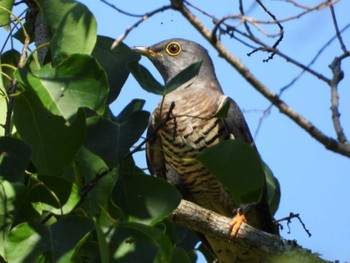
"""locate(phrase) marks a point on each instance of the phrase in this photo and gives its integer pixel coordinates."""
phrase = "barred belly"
(182, 139)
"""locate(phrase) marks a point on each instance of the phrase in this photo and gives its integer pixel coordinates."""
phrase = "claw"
(236, 223)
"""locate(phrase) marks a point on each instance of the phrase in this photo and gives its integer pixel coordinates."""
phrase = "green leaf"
(184, 76)
(111, 140)
(7, 211)
(15, 158)
(180, 255)
(273, 189)
(73, 27)
(77, 82)
(114, 63)
(222, 112)
(134, 105)
(26, 242)
(54, 194)
(54, 143)
(140, 243)
(144, 198)
(5, 15)
(10, 57)
(238, 166)
(145, 78)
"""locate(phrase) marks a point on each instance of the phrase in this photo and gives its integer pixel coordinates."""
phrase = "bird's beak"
(146, 51)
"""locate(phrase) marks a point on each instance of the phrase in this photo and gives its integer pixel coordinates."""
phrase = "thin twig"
(143, 18)
(149, 136)
(120, 10)
(335, 23)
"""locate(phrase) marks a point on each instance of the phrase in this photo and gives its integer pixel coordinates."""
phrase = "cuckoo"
(183, 125)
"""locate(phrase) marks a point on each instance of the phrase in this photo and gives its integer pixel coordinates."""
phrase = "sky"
(314, 181)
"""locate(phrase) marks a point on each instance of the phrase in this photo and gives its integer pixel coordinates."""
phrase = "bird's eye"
(173, 49)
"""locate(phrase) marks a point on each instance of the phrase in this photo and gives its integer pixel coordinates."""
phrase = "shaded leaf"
(184, 76)
(7, 211)
(10, 57)
(140, 243)
(237, 165)
(179, 255)
(72, 26)
(26, 242)
(114, 63)
(54, 194)
(54, 143)
(87, 166)
(223, 111)
(111, 140)
(15, 158)
(145, 78)
(134, 105)
(144, 198)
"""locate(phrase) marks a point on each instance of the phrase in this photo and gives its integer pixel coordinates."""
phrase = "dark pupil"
(174, 48)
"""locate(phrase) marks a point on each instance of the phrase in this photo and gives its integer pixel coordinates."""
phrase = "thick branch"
(328, 142)
(215, 226)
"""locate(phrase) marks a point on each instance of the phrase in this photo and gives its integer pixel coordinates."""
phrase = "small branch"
(338, 75)
(215, 226)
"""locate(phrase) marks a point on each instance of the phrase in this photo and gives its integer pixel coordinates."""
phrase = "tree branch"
(266, 245)
(305, 124)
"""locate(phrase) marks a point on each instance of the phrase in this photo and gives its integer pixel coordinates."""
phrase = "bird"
(183, 125)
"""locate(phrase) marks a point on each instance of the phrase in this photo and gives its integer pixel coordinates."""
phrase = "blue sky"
(314, 181)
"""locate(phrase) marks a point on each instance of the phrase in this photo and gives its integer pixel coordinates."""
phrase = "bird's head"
(172, 56)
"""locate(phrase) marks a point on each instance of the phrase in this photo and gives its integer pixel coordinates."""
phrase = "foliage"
(70, 190)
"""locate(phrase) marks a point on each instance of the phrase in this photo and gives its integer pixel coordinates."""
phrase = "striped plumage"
(184, 124)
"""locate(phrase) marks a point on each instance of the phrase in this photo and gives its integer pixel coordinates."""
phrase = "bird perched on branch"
(184, 124)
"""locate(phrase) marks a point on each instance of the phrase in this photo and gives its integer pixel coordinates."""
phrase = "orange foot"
(236, 223)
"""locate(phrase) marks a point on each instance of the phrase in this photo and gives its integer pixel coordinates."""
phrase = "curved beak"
(146, 51)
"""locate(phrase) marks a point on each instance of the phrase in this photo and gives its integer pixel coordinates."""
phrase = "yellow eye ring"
(173, 48)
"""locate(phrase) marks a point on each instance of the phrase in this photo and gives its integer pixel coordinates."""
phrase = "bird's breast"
(183, 136)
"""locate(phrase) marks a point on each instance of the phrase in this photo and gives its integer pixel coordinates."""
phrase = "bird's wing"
(237, 126)
(235, 122)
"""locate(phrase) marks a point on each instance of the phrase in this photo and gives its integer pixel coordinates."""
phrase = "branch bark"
(270, 247)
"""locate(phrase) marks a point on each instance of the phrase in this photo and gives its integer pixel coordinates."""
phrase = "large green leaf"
(72, 26)
(114, 63)
(239, 168)
(76, 82)
(53, 194)
(55, 243)
(144, 198)
(150, 84)
(145, 78)
(54, 142)
(138, 243)
(273, 189)
(5, 15)
(112, 140)
(15, 158)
